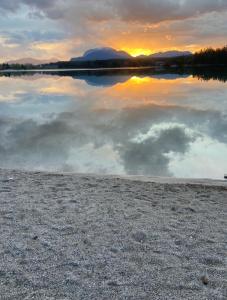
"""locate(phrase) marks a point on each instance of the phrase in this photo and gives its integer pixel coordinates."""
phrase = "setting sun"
(140, 80)
(138, 51)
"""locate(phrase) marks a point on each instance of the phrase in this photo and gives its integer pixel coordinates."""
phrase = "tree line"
(211, 56)
(206, 57)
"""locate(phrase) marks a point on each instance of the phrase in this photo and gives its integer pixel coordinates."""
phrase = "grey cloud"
(95, 21)
(11, 6)
(46, 6)
(128, 10)
(28, 144)
(149, 157)
(23, 37)
(158, 10)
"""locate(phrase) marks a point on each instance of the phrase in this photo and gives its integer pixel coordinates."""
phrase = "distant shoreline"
(142, 178)
(77, 69)
(204, 73)
(155, 68)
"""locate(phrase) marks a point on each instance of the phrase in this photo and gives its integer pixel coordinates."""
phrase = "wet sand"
(99, 237)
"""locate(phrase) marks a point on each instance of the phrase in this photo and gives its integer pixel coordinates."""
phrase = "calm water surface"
(161, 125)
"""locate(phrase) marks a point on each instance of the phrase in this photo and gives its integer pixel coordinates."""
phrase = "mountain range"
(31, 61)
(169, 54)
(110, 53)
(100, 54)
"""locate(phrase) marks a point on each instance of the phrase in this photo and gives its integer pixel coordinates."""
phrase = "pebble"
(205, 280)
(139, 236)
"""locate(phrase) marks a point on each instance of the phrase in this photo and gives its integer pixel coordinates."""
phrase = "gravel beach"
(67, 236)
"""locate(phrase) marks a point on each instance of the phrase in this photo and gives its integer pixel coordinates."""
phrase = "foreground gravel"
(89, 237)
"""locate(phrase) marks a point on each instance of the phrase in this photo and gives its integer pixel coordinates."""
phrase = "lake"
(124, 122)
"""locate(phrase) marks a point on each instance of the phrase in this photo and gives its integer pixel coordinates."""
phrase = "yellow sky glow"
(138, 51)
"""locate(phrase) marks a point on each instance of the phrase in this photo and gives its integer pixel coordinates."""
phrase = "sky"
(61, 29)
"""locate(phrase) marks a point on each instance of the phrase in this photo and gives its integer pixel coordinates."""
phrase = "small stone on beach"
(139, 236)
(112, 283)
(204, 279)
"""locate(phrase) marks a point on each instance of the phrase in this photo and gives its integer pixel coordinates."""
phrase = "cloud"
(30, 36)
(150, 156)
(159, 10)
(128, 10)
(75, 139)
(155, 25)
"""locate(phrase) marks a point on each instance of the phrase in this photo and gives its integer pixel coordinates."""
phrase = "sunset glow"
(66, 29)
(113, 149)
(140, 80)
(138, 51)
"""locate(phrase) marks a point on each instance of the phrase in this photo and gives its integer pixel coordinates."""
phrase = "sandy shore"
(93, 237)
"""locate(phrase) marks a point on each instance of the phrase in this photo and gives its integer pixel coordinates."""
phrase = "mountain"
(142, 56)
(102, 54)
(104, 81)
(170, 54)
(31, 61)
(110, 53)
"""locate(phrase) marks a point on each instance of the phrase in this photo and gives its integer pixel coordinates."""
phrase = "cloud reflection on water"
(149, 126)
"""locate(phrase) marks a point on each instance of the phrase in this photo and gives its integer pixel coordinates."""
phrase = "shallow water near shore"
(127, 123)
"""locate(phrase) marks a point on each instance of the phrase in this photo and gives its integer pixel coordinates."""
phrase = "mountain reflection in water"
(120, 122)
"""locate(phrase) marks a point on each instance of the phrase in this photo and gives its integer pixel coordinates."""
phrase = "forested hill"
(206, 57)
